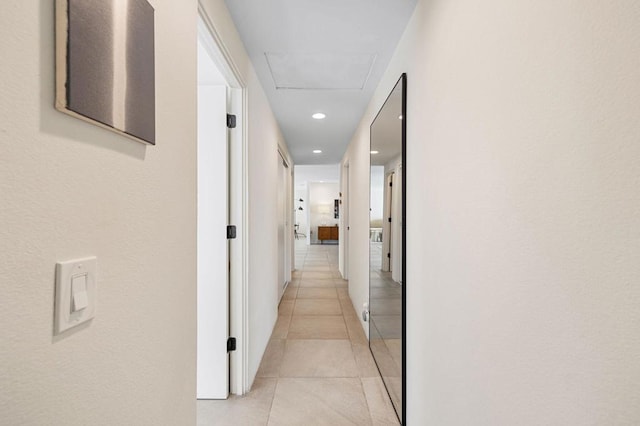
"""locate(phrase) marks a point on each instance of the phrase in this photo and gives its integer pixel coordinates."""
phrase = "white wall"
(71, 189)
(343, 243)
(523, 249)
(263, 260)
(358, 193)
(300, 216)
(317, 173)
(281, 204)
(262, 154)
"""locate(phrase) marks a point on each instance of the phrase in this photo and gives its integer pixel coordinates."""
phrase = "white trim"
(285, 158)
(238, 202)
(344, 221)
(240, 249)
(219, 52)
(289, 218)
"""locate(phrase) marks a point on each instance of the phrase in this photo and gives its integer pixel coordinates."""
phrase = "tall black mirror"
(387, 244)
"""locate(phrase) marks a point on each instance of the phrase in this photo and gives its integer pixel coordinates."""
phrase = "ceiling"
(320, 56)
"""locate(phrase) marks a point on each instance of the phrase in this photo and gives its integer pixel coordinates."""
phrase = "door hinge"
(389, 220)
(389, 255)
(231, 121)
(390, 183)
(231, 232)
(231, 344)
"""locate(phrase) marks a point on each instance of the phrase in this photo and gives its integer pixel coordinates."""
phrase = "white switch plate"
(65, 317)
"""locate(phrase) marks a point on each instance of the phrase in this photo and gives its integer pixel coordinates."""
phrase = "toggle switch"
(75, 293)
(79, 299)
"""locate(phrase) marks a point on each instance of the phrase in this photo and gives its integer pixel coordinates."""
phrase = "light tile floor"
(317, 368)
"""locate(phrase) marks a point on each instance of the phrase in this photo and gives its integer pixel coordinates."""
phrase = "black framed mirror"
(387, 287)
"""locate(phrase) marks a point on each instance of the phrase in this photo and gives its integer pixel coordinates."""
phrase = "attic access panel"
(324, 71)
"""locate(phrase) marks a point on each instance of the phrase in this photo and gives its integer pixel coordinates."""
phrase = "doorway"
(222, 189)
(344, 224)
(213, 218)
(285, 234)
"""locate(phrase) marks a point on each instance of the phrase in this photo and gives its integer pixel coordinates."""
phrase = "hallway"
(317, 368)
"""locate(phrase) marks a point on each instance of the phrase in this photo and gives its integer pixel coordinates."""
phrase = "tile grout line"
(273, 397)
(366, 401)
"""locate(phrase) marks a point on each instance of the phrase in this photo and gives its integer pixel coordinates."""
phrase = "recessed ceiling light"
(317, 151)
(375, 152)
(400, 117)
(318, 116)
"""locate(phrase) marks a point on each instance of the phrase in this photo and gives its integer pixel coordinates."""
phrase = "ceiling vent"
(324, 71)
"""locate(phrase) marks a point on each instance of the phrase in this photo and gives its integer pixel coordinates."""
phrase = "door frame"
(344, 222)
(284, 185)
(238, 201)
(288, 214)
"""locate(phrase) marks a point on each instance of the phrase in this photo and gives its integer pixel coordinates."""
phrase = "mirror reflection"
(386, 236)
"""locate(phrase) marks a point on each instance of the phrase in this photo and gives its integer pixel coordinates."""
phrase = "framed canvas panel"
(105, 65)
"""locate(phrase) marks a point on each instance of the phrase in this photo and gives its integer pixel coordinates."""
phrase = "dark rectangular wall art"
(105, 65)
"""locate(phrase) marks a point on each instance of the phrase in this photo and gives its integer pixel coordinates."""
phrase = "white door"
(213, 257)
(344, 220)
(288, 230)
(281, 206)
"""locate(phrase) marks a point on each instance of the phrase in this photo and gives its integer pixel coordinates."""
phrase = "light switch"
(75, 293)
(79, 299)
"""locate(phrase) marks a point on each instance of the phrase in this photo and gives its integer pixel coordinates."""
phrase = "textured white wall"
(262, 154)
(300, 216)
(358, 190)
(263, 220)
(70, 189)
(523, 241)
(317, 173)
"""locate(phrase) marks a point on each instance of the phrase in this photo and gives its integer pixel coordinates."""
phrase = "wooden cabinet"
(327, 233)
